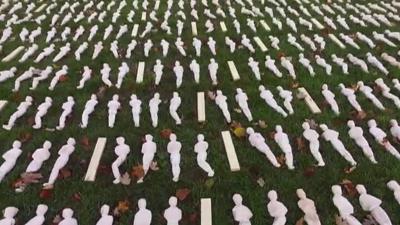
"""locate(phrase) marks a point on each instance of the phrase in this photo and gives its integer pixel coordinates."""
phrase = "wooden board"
(143, 16)
(95, 160)
(223, 26)
(201, 108)
(206, 211)
(234, 72)
(260, 44)
(230, 151)
(337, 41)
(3, 104)
(309, 100)
(140, 73)
(265, 25)
(194, 28)
(135, 30)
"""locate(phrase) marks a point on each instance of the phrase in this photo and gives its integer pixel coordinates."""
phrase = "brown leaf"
(137, 172)
(31, 120)
(165, 133)
(301, 146)
(349, 187)
(358, 115)
(309, 171)
(76, 197)
(182, 193)
(101, 92)
(262, 124)
(46, 193)
(235, 124)
(25, 136)
(295, 84)
(349, 169)
(63, 78)
(125, 179)
(85, 142)
(26, 179)
(281, 159)
(65, 173)
(56, 220)
(122, 207)
(300, 221)
(211, 95)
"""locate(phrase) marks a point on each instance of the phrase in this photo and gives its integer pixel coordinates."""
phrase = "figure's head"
(351, 124)
(278, 128)
(142, 203)
(28, 99)
(156, 95)
(177, 63)
(323, 127)
(41, 209)
(393, 122)
(393, 185)
(395, 81)
(173, 201)
(301, 194)
(93, 97)
(212, 60)
(48, 100)
(261, 88)
(47, 145)
(239, 90)
(10, 212)
(301, 55)
(336, 190)
(70, 98)
(133, 96)
(279, 88)
(158, 61)
(13, 69)
(272, 195)
(105, 209)
(306, 126)
(219, 92)
(249, 130)
(172, 137)
(115, 97)
(372, 123)
(361, 189)
(71, 141)
(175, 94)
(237, 199)
(251, 59)
(200, 137)
(16, 144)
(148, 137)
(360, 83)
(324, 87)
(120, 140)
(341, 86)
(67, 213)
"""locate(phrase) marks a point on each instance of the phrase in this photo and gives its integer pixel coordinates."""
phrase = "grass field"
(158, 186)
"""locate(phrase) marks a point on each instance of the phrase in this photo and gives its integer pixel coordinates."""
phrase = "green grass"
(158, 185)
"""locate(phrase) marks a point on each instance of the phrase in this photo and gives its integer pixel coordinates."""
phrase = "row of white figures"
(173, 214)
(277, 210)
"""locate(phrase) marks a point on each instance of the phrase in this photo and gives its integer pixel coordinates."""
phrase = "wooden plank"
(337, 41)
(3, 104)
(223, 26)
(157, 5)
(201, 107)
(234, 72)
(95, 160)
(194, 28)
(204, 2)
(135, 30)
(143, 16)
(206, 211)
(303, 94)
(317, 23)
(260, 44)
(230, 151)
(265, 25)
(40, 8)
(13, 54)
(140, 72)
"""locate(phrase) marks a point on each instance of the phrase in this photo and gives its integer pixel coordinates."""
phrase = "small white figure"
(340, 62)
(143, 215)
(89, 108)
(173, 214)
(254, 68)
(42, 111)
(9, 213)
(158, 71)
(40, 218)
(282, 139)
(365, 39)
(105, 74)
(178, 70)
(241, 98)
(287, 97)
(307, 64)
(372, 204)
(241, 213)
(86, 75)
(344, 206)
(57, 77)
(149, 149)
(46, 52)
(136, 105)
(63, 52)
(39, 156)
(320, 40)
(293, 41)
(165, 47)
(276, 209)
(200, 148)
(375, 62)
(220, 100)
(332, 136)
(396, 82)
(247, 43)
(288, 66)
(348, 40)
(68, 217)
(231, 44)
(274, 42)
(121, 150)
(270, 64)
(386, 92)
(175, 102)
(10, 159)
(62, 160)
(390, 59)
(197, 46)
(122, 71)
(269, 99)
(67, 110)
(211, 45)
(21, 110)
(308, 207)
(395, 187)
(258, 141)
(106, 218)
(97, 49)
(154, 105)
(131, 47)
(24, 76)
(212, 69)
(113, 107)
(368, 92)
(43, 75)
(351, 97)
(381, 37)
(195, 68)
(322, 62)
(330, 98)
(381, 137)
(7, 74)
(179, 45)
(312, 137)
(357, 134)
(395, 129)
(147, 46)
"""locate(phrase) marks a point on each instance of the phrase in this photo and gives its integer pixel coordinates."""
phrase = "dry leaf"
(165, 133)
(85, 142)
(154, 166)
(46, 193)
(25, 136)
(63, 78)
(301, 146)
(65, 173)
(26, 179)
(309, 171)
(182, 193)
(281, 159)
(237, 110)
(349, 187)
(211, 95)
(239, 132)
(262, 124)
(137, 172)
(57, 219)
(300, 221)
(369, 220)
(349, 170)
(122, 207)
(261, 182)
(77, 197)
(125, 179)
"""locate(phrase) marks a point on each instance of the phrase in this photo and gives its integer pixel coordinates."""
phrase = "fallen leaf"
(182, 193)
(349, 170)
(300, 221)
(358, 115)
(262, 124)
(301, 146)
(349, 187)
(85, 142)
(309, 171)
(281, 159)
(122, 207)
(25, 136)
(154, 166)
(235, 124)
(77, 197)
(46, 193)
(211, 95)
(239, 132)
(295, 84)
(125, 179)
(165, 133)
(26, 179)
(137, 172)
(57, 219)
(237, 110)
(209, 183)
(261, 182)
(65, 173)
(63, 78)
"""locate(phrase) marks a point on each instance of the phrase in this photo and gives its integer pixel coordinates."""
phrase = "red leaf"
(137, 172)
(183, 193)
(165, 133)
(46, 193)
(65, 173)
(77, 197)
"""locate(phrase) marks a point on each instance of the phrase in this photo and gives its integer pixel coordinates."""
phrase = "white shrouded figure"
(147, 46)
(195, 68)
(39, 156)
(322, 62)
(276, 209)
(122, 71)
(158, 71)
(67, 110)
(40, 218)
(368, 92)
(68, 217)
(332, 136)
(308, 207)
(358, 62)
(46, 52)
(351, 97)
(106, 218)
(63, 52)
(131, 47)
(395, 187)
(241, 213)
(173, 214)
(288, 66)
(381, 138)
(43, 75)
(378, 64)
(312, 137)
(174, 149)
(82, 48)
(346, 210)
(105, 75)
(270, 64)
(179, 45)
(10, 159)
(330, 98)
(42, 110)
(136, 105)
(372, 204)
(149, 149)
(241, 98)
(386, 92)
(254, 68)
(178, 70)
(62, 160)
(121, 150)
(143, 215)
(98, 47)
(154, 106)
(21, 110)
(340, 62)
(395, 129)
(197, 46)
(24, 76)
(86, 75)
(9, 213)
(220, 100)
(113, 107)
(258, 141)
(213, 69)
(287, 97)
(175, 102)
(89, 109)
(269, 99)
(307, 64)
(200, 148)
(165, 47)
(57, 77)
(7, 74)
(357, 134)
(282, 139)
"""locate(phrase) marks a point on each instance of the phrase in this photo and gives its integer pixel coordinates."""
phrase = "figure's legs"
(175, 116)
(136, 119)
(289, 160)
(85, 119)
(154, 118)
(111, 119)
(317, 154)
(247, 113)
(288, 106)
(115, 169)
(203, 164)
